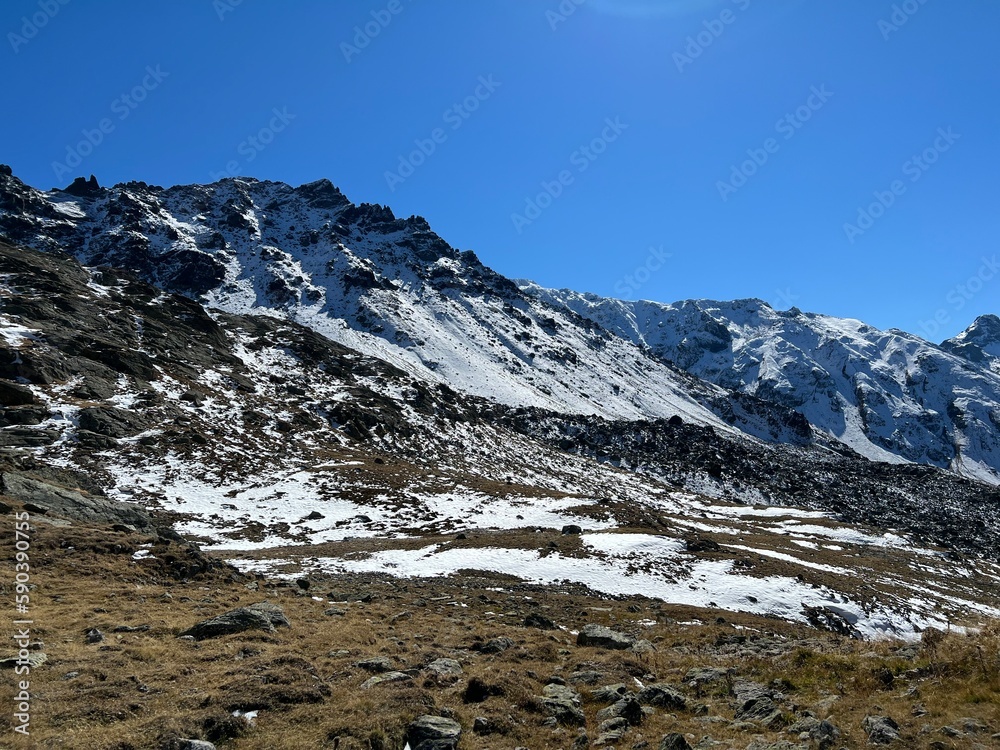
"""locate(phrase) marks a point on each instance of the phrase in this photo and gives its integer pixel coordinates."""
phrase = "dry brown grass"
(137, 690)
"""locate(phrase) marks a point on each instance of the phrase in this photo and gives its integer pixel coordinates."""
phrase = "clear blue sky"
(553, 82)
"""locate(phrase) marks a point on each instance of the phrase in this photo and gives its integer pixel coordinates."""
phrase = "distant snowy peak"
(979, 343)
(887, 394)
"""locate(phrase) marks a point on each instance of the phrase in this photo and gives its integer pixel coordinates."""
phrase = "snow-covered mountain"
(889, 395)
(392, 289)
(979, 343)
(388, 287)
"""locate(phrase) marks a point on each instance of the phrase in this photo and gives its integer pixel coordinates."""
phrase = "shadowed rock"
(262, 616)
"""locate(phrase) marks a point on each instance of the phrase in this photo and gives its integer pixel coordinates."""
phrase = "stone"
(433, 733)
(674, 741)
(445, 671)
(610, 693)
(185, 744)
(706, 675)
(563, 704)
(193, 397)
(72, 503)
(94, 636)
(495, 646)
(15, 394)
(261, 616)
(627, 708)
(881, 730)
(535, 620)
(602, 637)
(824, 735)
(611, 730)
(662, 696)
(375, 665)
(111, 421)
(571, 529)
(763, 711)
(382, 679)
(27, 437)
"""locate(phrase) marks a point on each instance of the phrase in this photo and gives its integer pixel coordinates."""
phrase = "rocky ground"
(436, 566)
(140, 641)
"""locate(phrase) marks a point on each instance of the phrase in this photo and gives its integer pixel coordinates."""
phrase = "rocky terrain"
(141, 641)
(359, 491)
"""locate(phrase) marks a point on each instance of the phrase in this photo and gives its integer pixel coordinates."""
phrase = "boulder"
(563, 705)
(386, 677)
(15, 394)
(375, 665)
(433, 733)
(627, 708)
(111, 421)
(662, 696)
(535, 620)
(27, 437)
(72, 503)
(881, 730)
(602, 637)
(674, 741)
(495, 646)
(262, 616)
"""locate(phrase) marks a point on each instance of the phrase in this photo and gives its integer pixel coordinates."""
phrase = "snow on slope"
(979, 343)
(889, 395)
(386, 287)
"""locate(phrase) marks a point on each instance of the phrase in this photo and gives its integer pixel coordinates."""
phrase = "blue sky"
(657, 149)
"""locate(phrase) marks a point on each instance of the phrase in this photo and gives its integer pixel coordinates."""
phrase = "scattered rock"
(674, 741)
(261, 616)
(571, 529)
(563, 704)
(15, 394)
(34, 659)
(535, 620)
(433, 733)
(382, 679)
(376, 665)
(824, 618)
(495, 646)
(602, 637)
(94, 636)
(881, 730)
(662, 696)
(627, 708)
(445, 671)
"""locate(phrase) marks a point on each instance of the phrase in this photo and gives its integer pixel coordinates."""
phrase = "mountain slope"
(887, 394)
(392, 289)
(284, 451)
(385, 286)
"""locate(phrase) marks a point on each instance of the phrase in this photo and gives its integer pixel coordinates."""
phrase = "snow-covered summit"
(889, 395)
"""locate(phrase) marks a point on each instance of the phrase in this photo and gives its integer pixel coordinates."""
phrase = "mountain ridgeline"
(394, 290)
